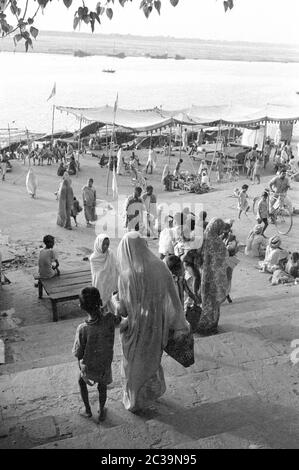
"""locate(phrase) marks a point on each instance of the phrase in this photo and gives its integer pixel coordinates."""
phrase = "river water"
(27, 80)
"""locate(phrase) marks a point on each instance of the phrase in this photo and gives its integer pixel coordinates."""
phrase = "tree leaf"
(28, 43)
(34, 32)
(157, 4)
(92, 24)
(18, 37)
(76, 22)
(67, 3)
(98, 8)
(225, 4)
(230, 4)
(96, 16)
(109, 13)
(174, 2)
(30, 20)
(122, 2)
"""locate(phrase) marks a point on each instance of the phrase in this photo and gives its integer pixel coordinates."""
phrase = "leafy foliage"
(22, 23)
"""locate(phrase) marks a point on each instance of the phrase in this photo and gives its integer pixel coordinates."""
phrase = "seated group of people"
(274, 259)
(71, 168)
(171, 181)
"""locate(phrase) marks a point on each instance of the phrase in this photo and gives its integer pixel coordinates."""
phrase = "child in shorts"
(243, 204)
(48, 261)
(263, 210)
(75, 210)
(93, 347)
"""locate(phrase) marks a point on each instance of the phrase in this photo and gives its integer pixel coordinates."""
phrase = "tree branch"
(25, 11)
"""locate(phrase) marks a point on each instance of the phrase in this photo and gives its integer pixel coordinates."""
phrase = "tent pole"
(110, 148)
(106, 141)
(8, 136)
(215, 151)
(181, 129)
(170, 133)
(109, 161)
(28, 145)
(53, 117)
(79, 141)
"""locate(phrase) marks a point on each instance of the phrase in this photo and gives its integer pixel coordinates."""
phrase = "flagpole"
(111, 142)
(53, 116)
(109, 161)
(79, 143)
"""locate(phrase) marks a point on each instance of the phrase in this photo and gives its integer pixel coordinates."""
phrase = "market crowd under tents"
(154, 121)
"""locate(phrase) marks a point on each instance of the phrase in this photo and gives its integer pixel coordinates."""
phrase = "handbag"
(181, 349)
(193, 313)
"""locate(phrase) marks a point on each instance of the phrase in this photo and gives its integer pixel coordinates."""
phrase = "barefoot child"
(76, 208)
(263, 211)
(93, 348)
(243, 205)
(48, 262)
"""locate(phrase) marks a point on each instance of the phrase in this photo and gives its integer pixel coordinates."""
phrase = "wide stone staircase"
(242, 391)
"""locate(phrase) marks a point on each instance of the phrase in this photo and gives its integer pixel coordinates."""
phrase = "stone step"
(247, 437)
(230, 349)
(120, 437)
(35, 346)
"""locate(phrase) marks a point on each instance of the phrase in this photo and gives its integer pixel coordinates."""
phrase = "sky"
(272, 21)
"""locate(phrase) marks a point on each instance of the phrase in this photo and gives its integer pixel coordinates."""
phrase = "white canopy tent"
(156, 118)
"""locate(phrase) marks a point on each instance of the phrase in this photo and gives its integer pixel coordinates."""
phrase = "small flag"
(115, 104)
(53, 92)
(114, 184)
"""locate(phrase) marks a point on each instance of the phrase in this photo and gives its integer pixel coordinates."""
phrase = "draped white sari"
(148, 296)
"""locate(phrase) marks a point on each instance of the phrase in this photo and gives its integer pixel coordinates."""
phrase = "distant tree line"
(16, 22)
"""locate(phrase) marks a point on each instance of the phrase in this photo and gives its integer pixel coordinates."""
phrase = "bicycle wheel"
(283, 220)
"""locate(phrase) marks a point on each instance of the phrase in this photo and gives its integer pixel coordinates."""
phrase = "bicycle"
(280, 216)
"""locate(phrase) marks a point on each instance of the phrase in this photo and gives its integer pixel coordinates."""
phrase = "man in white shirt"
(150, 204)
(150, 161)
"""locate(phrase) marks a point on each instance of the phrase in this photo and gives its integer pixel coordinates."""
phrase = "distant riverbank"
(122, 46)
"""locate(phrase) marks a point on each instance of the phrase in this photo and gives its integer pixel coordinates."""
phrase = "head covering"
(67, 177)
(31, 182)
(275, 242)
(165, 172)
(229, 222)
(148, 294)
(257, 230)
(214, 283)
(103, 269)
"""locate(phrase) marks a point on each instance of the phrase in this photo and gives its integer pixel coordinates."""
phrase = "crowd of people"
(150, 299)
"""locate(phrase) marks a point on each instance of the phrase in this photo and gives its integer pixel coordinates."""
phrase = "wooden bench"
(65, 287)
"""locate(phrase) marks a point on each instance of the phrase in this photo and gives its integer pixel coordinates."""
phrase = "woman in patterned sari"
(66, 199)
(149, 301)
(214, 283)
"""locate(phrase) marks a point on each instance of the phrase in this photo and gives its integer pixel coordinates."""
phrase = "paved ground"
(242, 391)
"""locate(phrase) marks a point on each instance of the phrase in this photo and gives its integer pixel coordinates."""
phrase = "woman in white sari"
(149, 300)
(31, 183)
(104, 272)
